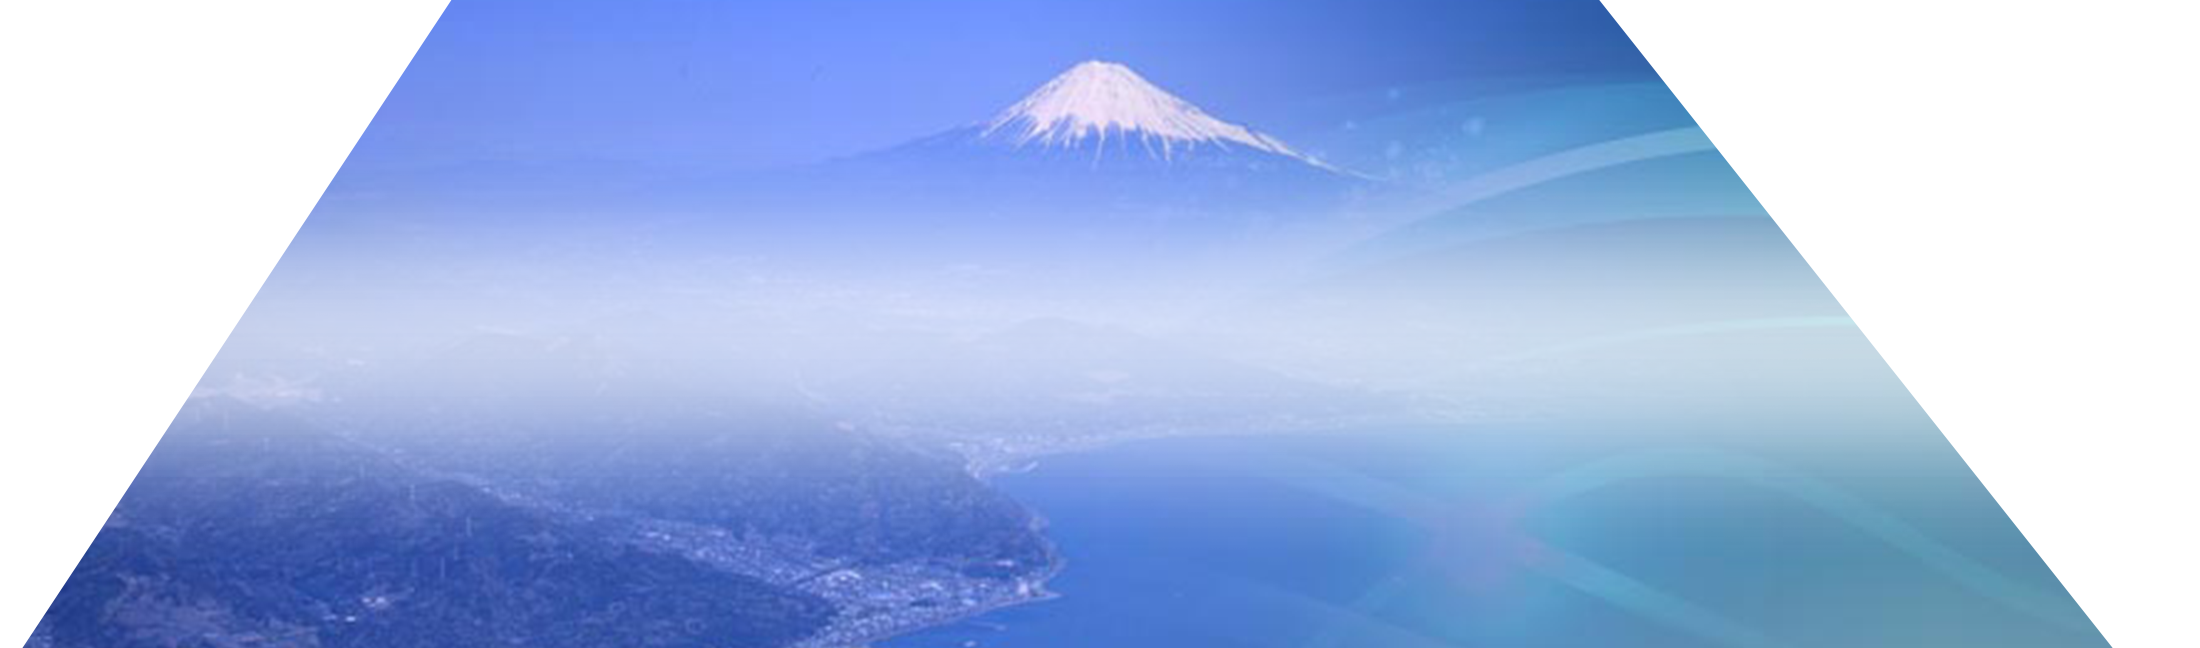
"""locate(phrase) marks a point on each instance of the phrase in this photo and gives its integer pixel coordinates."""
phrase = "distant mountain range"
(1096, 190)
(1043, 376)
(511, 490)
(1096, 196)
(441, 409)
(1048, 386)
(608, 425)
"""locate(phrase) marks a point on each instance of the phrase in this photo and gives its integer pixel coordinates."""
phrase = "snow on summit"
(1102, 100)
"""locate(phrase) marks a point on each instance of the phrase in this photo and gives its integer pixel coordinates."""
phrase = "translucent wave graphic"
(1499, 165)
(2016, 190)
(1820, 495)
(1646, 600)
(1503, 165)
(1519, 551)
(1453, 130)
(1769, 132)
(1776, 132)
(1818, 321)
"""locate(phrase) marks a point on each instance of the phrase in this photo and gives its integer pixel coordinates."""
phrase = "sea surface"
(1522, 538)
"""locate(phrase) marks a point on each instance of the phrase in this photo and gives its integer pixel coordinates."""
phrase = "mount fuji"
(1107, 110)
(1094, 187)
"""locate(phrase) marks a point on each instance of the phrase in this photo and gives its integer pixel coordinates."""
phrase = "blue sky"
(771, 82)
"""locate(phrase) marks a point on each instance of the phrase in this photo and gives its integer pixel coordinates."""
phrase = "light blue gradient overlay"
(1868, 477)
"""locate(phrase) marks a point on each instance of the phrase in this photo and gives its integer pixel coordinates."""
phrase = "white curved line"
(1769, 132)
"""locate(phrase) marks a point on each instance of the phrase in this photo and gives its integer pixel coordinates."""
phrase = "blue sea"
(1963, 501)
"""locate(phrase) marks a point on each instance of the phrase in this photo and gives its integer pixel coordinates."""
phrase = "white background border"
(2161, 319)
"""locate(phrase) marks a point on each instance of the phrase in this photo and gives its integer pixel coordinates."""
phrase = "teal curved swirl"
(1645, 600)
(1820, 495)
(1648, 601)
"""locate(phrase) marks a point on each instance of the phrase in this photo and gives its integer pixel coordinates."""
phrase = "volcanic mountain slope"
(1106, 110)
(1096, 174)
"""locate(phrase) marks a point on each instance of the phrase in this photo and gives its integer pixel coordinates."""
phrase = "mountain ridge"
(253, 527)
(603, 423)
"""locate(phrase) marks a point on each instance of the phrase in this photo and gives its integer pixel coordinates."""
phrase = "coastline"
(987, 461)
(945, 621)
(1030, 590)
(985, 458)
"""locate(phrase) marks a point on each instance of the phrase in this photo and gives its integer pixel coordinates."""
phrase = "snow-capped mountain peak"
(1099, 100)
